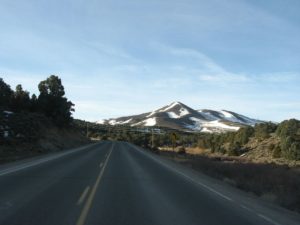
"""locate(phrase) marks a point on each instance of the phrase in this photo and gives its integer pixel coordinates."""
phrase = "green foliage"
(234, 149)
(289, 133)
(52, 86)
(276, 152)
(6, 95)
(243, 135)
(21, 100)
(263, 130)
(294, 151)
(181, 150)
(289, 128)
(216, 142)
(52, 102)
(290, 148)
(33, 103)
(231, 143)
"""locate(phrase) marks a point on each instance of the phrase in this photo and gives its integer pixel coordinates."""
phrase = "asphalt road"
(116, 183)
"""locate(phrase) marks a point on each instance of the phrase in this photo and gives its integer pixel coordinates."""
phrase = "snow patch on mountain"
(150, 122)
(204, 126)
(229, 116)
(179, 116)
(169, 107)
(147, 122)
(183, 112)
(151, 114)
(126, 121)
(173, 115)
(218, 124)
(113, 122)
(102, 121)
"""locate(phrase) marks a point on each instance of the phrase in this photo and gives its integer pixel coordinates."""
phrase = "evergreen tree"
(289, 133)
(264, 130)
(6, 95)
(33, 103)
(243, 135)
(21, 100)
(52, 102)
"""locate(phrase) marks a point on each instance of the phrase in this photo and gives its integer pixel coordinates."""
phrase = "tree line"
(50, 102)
(286, 134)
(234, 143)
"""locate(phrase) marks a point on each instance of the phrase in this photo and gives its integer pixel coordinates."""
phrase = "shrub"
(181, 150)
(289, 133)
(263, 130)
(276, 152)
(243, 135)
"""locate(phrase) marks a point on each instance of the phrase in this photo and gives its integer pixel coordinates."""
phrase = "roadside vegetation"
(263, 160)
(275, 140)
(31, 124)
(51, 101)
(279, 184)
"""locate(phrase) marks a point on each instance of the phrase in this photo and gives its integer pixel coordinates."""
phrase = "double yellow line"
(91, 197)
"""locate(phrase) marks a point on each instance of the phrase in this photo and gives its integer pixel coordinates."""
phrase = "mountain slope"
(180, 116)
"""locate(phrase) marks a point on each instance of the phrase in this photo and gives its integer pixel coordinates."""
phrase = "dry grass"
(38, 135)
(277, 183)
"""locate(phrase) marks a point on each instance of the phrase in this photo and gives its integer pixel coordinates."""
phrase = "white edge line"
(187, 177)
(247, 208)
(40, 161)
(207, 187)
(268, 219)
(83, 195)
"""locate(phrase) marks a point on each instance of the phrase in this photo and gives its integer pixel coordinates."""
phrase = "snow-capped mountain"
(179, 116)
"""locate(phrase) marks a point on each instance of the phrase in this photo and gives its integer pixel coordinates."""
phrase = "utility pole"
(174, 138)
(152, 139)
(87, 129)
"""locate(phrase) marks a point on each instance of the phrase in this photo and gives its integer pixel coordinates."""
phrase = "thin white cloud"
(102, 52)
(204, 67)
(110, 51)
(279, 77)
(225, 77)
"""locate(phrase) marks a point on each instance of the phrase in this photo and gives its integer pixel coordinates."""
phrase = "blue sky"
(125, 57)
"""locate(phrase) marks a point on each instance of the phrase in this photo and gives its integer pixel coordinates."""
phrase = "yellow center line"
(83, 195)
(91, 197)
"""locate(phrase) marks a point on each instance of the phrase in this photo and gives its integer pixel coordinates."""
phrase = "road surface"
(117, 183)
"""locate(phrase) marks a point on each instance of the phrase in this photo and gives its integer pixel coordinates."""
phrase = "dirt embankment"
(24, 135)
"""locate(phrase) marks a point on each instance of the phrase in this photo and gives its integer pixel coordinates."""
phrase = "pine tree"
(6, 95)
(52, 102)
(21, 100)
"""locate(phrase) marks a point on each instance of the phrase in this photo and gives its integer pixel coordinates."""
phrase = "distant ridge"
(182, 117)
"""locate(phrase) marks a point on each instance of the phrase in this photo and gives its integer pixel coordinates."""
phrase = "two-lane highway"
(114, 183)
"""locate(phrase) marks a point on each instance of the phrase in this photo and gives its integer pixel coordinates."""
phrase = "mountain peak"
(173, 104)
(176, 103)
(180, 116)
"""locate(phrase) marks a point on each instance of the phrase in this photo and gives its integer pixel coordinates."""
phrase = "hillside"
(28, 134)
(182, 117)
(35, 124)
